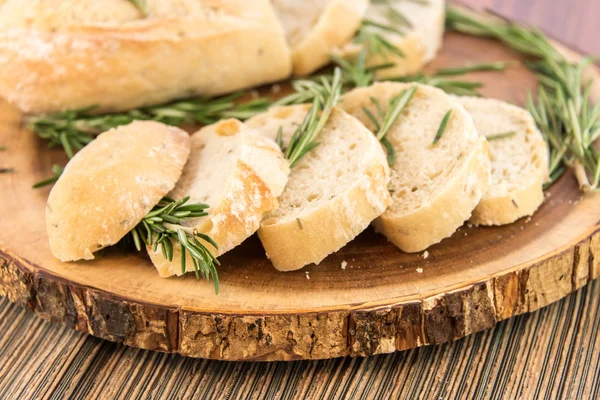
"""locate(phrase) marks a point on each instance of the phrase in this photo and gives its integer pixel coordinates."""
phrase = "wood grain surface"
(553, 353)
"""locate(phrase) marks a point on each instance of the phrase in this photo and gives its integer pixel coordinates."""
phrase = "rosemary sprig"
(74, 129)
(165, 224)
(303, 140)
(57, 171)
(7, 170)
(140, 5)
(442, 128)
(563, 110)
(395, 106)
(499, 136)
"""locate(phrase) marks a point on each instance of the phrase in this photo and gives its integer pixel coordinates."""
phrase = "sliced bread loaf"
(333, 193)
(111, 184)
(422, 27)
(239, 174)
(434, 187)
(519, 161)
(315, 27)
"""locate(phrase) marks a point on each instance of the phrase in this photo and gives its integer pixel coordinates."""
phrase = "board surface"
(384, 300)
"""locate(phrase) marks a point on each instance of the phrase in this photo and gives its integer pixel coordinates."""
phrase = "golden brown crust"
(111, 184)
(120, 66)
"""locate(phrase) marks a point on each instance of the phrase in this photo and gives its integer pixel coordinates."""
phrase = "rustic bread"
(419, 43)
(333, 193)
(519, 161)
(315, 27)
(67, 54)
(239, 174)
(111, 184)
(434, 187)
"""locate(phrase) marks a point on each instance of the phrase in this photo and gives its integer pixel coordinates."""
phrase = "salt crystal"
(307, 275)
(344, 263)
(419, 270)
(426, 254)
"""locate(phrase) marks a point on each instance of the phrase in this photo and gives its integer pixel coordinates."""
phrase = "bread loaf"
(239, 174)
(315, 27)
(420, 40)
(111, 184)
(519, 161)
(333, 193)
(67, 54)
(434, 187)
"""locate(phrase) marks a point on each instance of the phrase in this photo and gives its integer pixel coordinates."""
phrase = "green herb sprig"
(440, 78)
(385, 119)
(563, 110)
(74, 129)
(165, 224)
(303, 140)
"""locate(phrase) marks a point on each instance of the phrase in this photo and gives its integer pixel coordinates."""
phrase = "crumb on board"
(469, 225)
(344, 263)
(425, 254)
(307, 275)
(276, 88)
(419, 270)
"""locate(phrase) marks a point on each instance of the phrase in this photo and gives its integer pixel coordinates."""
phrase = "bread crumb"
(419, 270)
(570, 202)
(276, 88)
(469, 225)
(465, 233)
(344, 263)
(547, 194)
(527, 220)
(307, 275)
(425, 254)
(254, 94)
(537, 224)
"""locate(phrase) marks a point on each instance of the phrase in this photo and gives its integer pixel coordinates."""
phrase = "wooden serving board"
(384, 300)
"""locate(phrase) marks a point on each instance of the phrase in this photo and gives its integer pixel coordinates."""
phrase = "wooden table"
(554, 352)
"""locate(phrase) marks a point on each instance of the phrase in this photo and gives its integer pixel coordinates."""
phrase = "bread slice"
(419, 43)
(519, 161)
(315, 27)
(333, 193)
(111, 184)
(239, 174)
(68, 54)
(434, 187)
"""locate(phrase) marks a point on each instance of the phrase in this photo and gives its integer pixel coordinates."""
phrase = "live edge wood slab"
(384, 300)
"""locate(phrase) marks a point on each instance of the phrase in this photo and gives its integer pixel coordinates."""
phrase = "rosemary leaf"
(2, 148)
(57, 170)
(496, 66)
(140, 5)
(442, 128)
(7, 170)
(502, 135)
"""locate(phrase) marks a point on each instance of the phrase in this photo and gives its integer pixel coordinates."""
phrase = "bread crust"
(337, 25)
(111, 184)
(123, 65)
